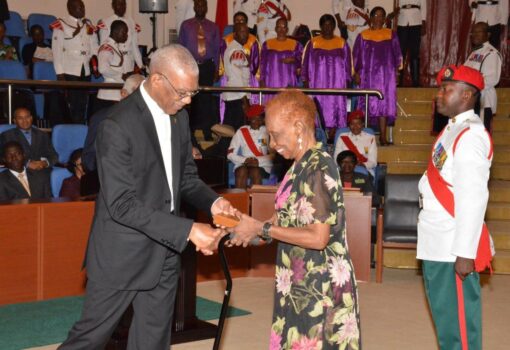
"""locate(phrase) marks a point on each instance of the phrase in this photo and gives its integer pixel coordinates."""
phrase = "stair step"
(501, 122)
(500, 171)
(416, 94)
(399, 153)
(401, 259)
(502, 154)
(416, 107)
(413, 137)
(499, 230)
(413, 123)
(499, 191)
(501, 262)
(498, 211)
(406, 167)
(501, 138)
(503, 94)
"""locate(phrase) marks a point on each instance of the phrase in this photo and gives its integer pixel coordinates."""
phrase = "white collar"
(15, 173)
(462, 117)
(153, 106)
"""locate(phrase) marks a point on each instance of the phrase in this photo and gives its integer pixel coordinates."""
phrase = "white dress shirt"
(440, 236)
(412, 16)
(487, 60)
(164, 131)
(494, 13)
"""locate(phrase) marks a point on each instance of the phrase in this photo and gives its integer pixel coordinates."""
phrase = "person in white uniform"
(248, 7)
(358, 141)
(112, 63)
(74, 43)
(129, 48)
(494, 13)
(453, 241)
(486, 59)
(411, 26)
(352, 18)
(268, 13)
(248, 150)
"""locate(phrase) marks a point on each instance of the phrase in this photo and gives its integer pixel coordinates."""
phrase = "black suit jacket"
(41, 146)
(11, 188)
(133, 228)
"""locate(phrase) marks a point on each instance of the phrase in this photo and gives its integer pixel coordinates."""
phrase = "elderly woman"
(71, 185)
(377, 58)
(327, 64)
(316, 299)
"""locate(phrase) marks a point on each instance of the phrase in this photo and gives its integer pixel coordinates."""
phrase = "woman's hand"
(247, 229)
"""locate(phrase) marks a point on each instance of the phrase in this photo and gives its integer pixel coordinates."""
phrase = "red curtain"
(222, 14)
(447, 38)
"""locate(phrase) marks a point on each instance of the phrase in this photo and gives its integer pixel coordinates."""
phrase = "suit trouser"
(441, 291)
(153, 313)
(77, 98)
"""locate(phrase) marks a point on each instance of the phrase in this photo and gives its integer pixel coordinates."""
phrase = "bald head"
(131, 84)
(174, 58)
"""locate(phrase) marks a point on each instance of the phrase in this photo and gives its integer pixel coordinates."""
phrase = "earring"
(300, 143)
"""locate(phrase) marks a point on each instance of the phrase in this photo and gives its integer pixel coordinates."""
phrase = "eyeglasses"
(181, 95)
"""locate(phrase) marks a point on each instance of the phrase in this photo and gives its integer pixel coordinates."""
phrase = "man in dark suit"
(17, 182)
(37, 147)
(145, 168)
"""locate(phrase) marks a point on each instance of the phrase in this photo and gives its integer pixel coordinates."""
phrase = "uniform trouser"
(441, 290)
(495, 37)
(204, 106)
(77, 98)
(410, 39)
(153, 312)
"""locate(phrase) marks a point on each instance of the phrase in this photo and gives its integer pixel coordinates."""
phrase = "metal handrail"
(86, 85)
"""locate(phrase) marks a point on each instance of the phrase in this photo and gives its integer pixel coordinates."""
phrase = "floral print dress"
(316, 298)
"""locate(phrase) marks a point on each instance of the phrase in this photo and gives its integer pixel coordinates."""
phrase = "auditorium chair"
(14, 25)
(66, 138)
(56, 178)
(397, 219)
(42, 71)
(44, 21)
(12, 70)
(5, 127)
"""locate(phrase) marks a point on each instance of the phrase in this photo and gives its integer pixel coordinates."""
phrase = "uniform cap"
(462, 74)
(254, 111)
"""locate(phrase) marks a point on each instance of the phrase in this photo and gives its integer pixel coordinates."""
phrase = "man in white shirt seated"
(249, 150)
(358, 141)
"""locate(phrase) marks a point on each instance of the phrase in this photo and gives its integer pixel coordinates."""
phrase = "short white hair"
(132, 83)
(175, 56)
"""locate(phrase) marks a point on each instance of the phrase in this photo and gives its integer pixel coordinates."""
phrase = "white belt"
(79, 52)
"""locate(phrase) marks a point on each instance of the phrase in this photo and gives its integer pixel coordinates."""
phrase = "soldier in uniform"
(74, 44)
(248, 7)
(112, 63)
(453, 241)
(487, 60)
(352, 18)
(495, 14)
(411, 27)
(358, 141)
(129, 49)
(248, 149)
(268, 13)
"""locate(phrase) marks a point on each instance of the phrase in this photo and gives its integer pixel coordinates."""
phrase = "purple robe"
(273, 71)
(377, 57)
(327, 65)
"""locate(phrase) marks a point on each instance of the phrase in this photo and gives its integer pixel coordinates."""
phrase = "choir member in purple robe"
(280, 60)
(377, 58)
(327, 64)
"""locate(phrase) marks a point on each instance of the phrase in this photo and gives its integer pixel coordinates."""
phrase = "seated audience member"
(18, 182)
(112, 64)
(358, 141)
(7, 52)
(36, 51)
(71, 185)
(347, 161)
(37, 148)
(249, 150)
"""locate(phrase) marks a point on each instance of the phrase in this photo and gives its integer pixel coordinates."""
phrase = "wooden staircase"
(409, 155)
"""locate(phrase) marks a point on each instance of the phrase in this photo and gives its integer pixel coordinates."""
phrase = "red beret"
(254, 111)
(357, 114)
(463, 74)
